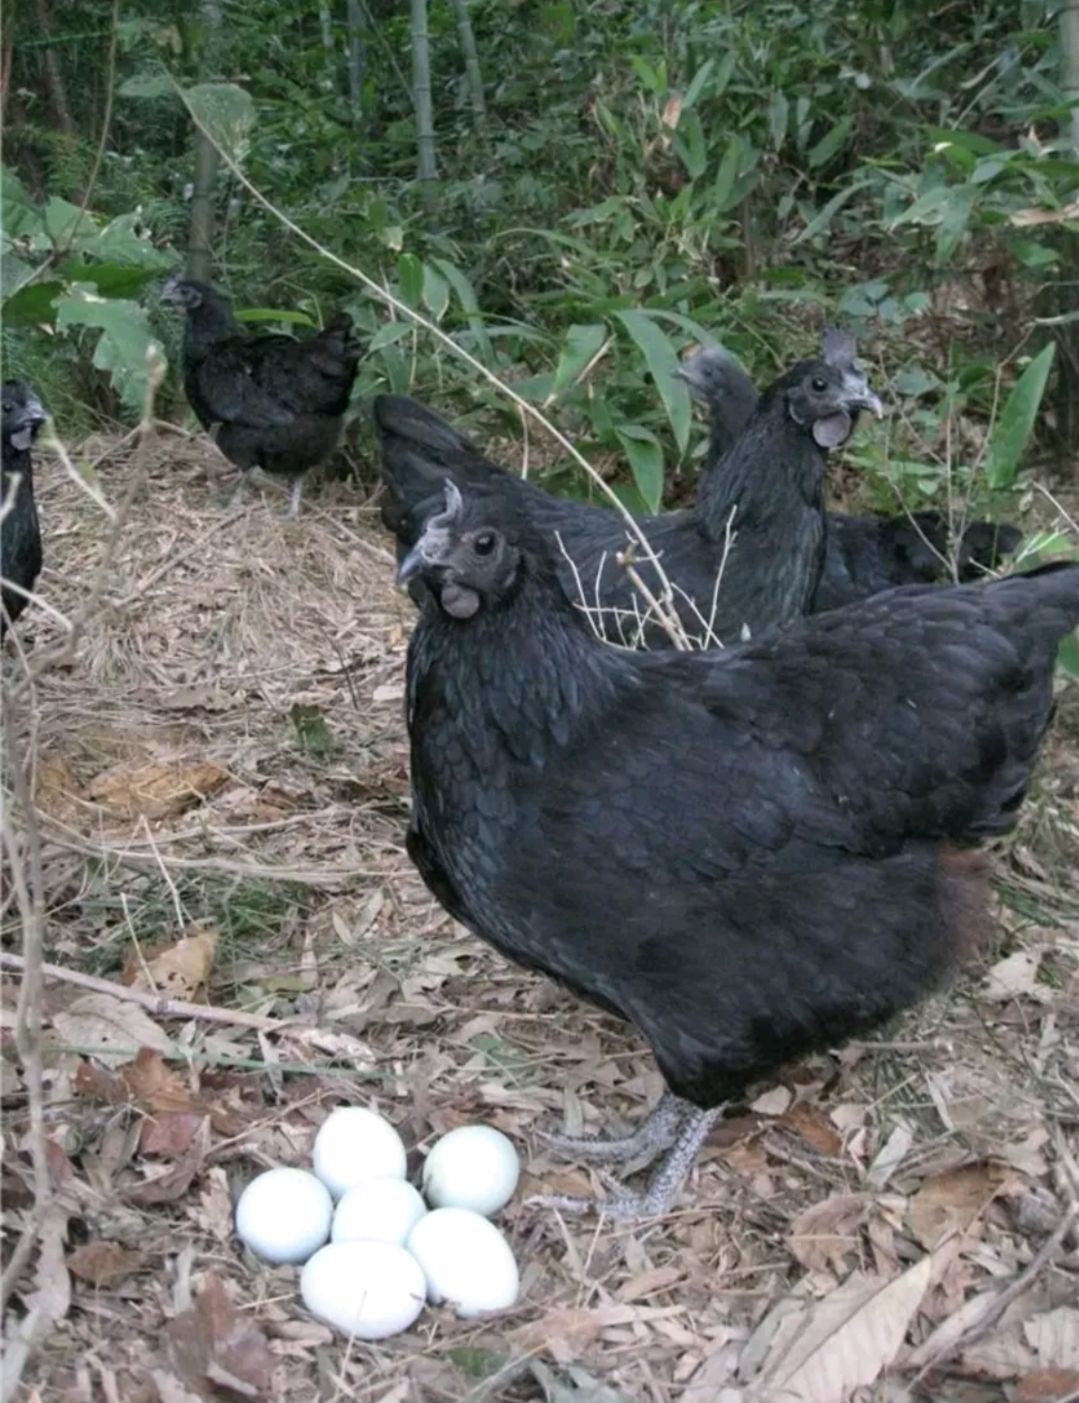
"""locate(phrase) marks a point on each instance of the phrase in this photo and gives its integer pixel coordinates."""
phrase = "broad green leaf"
(1068, 656)
(410, 279)
(14, 272)
(655, 80)
(63, 221)
(226, 112)
(312, 731)
(691, 147)
(125, 347)
(19, 213)
(32, 305)
(436, 292)
(830, 143)
(466, 295)
(954, 218)
(659, 352)
(110, 279)
(389, 334)
(1016, 422)
(824, 216)
(119, 242)
(581, 344)
(146, 85)
(926, 209)
(646, 462)
(696, 86)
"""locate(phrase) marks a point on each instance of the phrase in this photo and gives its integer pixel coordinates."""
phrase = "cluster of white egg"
(375, 1255)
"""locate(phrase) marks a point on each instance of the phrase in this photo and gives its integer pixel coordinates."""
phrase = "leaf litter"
(224, 793)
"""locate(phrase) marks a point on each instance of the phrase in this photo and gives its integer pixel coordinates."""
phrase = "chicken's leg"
(662, 1188)
(655, 1133)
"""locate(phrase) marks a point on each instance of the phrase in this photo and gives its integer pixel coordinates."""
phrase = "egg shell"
(381, 1210)
(367, 1289)
(284, 1215)
(474, 1166)
(355, 1144)
(466, 1260)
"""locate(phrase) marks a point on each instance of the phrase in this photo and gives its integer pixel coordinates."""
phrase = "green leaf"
(63, 221)
(655, 80)
(227, 113)
(110, 279)
(581, 344)
(436, 292)
(645, 460)
(466, 295)
(146, 85)
(20, 214)
(125, 347)
(824, 216)
(313, 733)
(662, 359)
(830, 143)
(1016, 422)
(690, 144)
(778, 117)
(32, 305)
(721, 198)
(696, 86)
(119, 242)
(954, 218)
(389, 334)
(410, 279)
(275, 314)
(1068, 656)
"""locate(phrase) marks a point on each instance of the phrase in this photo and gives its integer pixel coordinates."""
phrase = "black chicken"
(747, 557)
(865, 554)
(749, 854)
(20, 533)
(276, 403)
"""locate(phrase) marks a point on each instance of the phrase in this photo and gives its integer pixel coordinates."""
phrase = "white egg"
(355, 1144)
(368, 1289)
(284, 1215)
(466, 1260)
(474, 1166)
(382, 1210)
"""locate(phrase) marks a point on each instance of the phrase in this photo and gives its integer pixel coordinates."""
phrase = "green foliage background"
(647, 176)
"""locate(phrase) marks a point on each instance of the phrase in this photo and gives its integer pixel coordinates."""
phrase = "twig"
(156, 1004)
(1011, 1292)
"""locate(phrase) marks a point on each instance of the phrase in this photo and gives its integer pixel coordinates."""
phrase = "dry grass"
(226, 752)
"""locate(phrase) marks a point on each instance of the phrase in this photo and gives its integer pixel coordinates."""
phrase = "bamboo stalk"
(421, 92)
(473, 76)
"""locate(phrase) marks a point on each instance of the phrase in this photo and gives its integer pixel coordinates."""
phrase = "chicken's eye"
(484, 543)
(819, 384)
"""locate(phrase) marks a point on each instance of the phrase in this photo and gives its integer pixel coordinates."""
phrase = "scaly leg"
(655, 1133)
(659, 1194)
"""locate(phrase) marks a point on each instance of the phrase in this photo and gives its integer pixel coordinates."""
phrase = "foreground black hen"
(20, 533)
(865, 554)
(749, 855)
(274, 402)
(747, 556)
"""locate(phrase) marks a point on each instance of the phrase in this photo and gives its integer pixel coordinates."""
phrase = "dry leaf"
(571, 1329)
(672, 111)
(215, 1344)
(890, 1156)
(1014, 977)
(171, 1390)
(57, 792)
(951, 1202)
(154, 1085)
(175, 1182)
(822, 1235)
(814, 1127)
(155, 788)
(101, 1023)
(1048, 1386)
(103, 1263)
(1054, 1336)
(176, 971)
(51, 1296)
(773, 1102)
(846, 1340)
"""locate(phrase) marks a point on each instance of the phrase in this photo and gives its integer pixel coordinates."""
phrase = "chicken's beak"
(33, 413)
(412, 564)
(868, 400)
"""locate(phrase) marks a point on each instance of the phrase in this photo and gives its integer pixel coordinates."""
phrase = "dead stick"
(156, 1003)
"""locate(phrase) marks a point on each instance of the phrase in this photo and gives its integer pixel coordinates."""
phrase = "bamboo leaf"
(646, 462)
(581, 344)
(659, 352)
(1016, 422)
(227, 111)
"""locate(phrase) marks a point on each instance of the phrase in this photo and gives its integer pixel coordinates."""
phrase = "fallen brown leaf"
(1054, 1336)
(155, 788)
(101, 1023)
(154, 1085)
(824, 1234)
(175, 1182)
(214, 1344)
(1017, 975)
(1048, 1386)
(814, 1127)
(103, 1263)
(177, 971)
(57, 791)
(951, 1202)
(844, 1341)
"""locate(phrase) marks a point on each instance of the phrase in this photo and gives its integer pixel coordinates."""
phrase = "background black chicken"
(747, 556)
(276, 403)
(865, 554)
(20, 533)
(748, 854)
